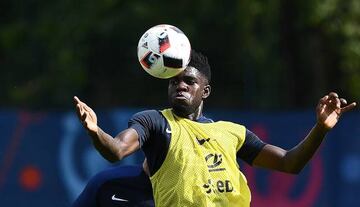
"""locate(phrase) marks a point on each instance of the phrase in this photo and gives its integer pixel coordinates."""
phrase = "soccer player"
(192, 160)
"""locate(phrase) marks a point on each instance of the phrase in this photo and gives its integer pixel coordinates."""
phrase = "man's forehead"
(189, 70)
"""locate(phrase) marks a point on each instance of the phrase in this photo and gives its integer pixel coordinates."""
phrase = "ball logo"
(145, 45)
(149, 59)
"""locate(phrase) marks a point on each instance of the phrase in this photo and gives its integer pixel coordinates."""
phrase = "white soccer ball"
(164, 51)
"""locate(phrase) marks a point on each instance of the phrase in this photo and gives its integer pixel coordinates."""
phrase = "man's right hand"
(86, 116)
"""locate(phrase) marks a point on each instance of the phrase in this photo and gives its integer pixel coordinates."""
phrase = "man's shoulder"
(229, 124)
(150, 114)
(147, 112)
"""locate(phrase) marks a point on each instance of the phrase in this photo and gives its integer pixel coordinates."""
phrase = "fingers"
(84, 112)
(83, 105)
(348, 107)
(324, 99)
(330, 100)
(343, 101)
(333, 100)
(333, 94)
(78, 111)
(80, 108)
(322, 103)
(77, 103)
(76, 99)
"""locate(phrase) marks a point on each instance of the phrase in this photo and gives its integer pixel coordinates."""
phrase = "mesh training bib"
(200, 168)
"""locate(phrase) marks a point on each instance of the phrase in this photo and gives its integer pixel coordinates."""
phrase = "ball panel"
(164, 43)
(166, 73)
(149, 60)
(172, 62)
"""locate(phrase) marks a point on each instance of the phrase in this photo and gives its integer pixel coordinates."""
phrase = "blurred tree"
(319, 41)
(264, 54)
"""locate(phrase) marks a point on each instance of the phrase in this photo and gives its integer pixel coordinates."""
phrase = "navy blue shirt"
(154, 137)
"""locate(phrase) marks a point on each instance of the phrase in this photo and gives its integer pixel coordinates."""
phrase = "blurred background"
(271, 62)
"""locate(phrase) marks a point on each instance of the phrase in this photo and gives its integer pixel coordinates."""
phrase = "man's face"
(187, 90)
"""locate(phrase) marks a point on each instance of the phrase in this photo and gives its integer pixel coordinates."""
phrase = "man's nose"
(182, 86)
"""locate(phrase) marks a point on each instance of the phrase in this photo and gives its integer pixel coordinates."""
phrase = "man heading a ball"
(192, 160)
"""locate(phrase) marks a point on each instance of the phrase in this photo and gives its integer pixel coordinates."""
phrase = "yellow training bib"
(200, 168)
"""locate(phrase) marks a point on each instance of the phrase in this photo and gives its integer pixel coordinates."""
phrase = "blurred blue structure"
(47, 158)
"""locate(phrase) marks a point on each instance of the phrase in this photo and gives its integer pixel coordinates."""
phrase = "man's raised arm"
(328, 111)
(112, 149)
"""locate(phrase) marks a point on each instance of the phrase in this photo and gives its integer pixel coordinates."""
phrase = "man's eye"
(191, 82)
(173, 82)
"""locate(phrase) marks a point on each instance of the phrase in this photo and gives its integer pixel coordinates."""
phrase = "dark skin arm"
(112, 149)
(328, 111)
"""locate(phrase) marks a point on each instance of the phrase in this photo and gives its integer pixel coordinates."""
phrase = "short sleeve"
(250, 148)
(151, 127)
(145, 123)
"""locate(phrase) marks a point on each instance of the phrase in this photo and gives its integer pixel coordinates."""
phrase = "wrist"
(95, 132)
(321, 128)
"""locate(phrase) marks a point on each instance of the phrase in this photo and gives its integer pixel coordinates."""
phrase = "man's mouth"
(182, 95)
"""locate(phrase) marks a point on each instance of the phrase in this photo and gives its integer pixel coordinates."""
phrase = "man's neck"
(195, 115)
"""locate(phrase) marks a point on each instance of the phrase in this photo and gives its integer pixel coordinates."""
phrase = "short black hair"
(200, 62)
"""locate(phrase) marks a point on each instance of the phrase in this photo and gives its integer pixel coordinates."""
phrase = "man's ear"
(207, 91)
